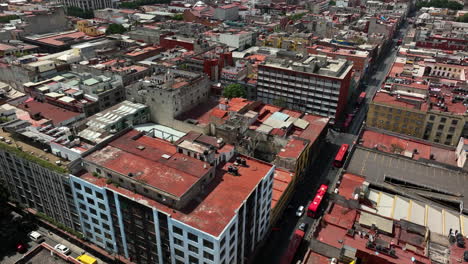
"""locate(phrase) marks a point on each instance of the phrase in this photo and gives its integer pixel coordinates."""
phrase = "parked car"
(21, 248)
(62, 249)
(36, 237)
(300, 211)
(303, 226)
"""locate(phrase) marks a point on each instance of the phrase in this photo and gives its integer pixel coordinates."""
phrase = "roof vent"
(141, 147)
(130, 174)
(165, 156)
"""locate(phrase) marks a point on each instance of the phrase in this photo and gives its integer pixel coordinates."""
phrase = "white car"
(300, 211)
(62, 249)
(36, 236)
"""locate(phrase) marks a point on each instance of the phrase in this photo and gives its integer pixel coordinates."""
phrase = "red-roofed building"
(152, 192)
(59, 41)
(58, 116)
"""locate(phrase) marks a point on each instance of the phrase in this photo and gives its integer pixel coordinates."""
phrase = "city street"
(51, 239)
(322, 170)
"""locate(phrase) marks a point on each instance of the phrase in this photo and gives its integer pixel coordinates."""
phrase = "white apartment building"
(177, 206)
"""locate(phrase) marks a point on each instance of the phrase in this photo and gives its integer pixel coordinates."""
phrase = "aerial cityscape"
(234, 131)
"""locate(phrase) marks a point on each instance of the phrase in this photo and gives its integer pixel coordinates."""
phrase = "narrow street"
(322, 170)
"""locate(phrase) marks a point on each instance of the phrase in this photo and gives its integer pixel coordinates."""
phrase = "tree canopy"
(78, 12)
(138, 3)
(115, 29)
(440, 4)
(6, 19)
(178, 17)
(234, 90)
(463, 18)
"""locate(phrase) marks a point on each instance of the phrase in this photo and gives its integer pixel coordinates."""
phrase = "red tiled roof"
(57, 39)
(293, 149)
(54, 113)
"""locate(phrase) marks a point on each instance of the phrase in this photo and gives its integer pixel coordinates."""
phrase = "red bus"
(314, 206)
(361, 98)
(341, 156)
(294, 244)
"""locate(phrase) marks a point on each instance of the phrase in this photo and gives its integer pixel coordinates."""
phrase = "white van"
(36, 236)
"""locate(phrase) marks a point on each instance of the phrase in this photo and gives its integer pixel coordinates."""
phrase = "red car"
(21, 248)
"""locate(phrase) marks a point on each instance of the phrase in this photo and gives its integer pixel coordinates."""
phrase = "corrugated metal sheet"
(401, 209)
(385, 206)
(417, 213)
(434, 220)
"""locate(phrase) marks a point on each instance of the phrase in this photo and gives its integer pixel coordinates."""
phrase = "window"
(178, 242)
(91, 210)
(80, 196)
(77, 185)
(193, 259)
(208, 244)
(178, 252)
(432, 118)
(221, 244)
(108, 236)
(443, 120)
(232, 229)
(97, 231)
(177, 230)
(106, 226)
(193, 248)
(90, 201)
(102, 206)
(95, 221)
(88, 190)
(104, 217)
(85, 217)
(440, 127)
(82, 206)
(454, 122)
(88, 226)
(99, 195)
(192, 237)
(208, 256)
(98, 171)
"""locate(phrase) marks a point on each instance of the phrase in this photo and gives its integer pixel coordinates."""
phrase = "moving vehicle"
(36, 237)
(341, 156)
(300, 211)
(361, 98)
(21, 248)
(399, 41)
(314, 207)
(294, 244)
(62, 249)
(303, 226)
(85, 259)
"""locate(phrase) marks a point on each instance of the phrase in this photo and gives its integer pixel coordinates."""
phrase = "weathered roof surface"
(378, 167)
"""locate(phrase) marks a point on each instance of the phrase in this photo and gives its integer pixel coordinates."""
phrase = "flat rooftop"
(215, 208)
(48, 111)
(378, 166)
(406, 146)
(152, 160)
(61, 39)
(30, 149)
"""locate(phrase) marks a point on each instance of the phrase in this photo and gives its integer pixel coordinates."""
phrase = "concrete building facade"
(148, 221)
(316, 84)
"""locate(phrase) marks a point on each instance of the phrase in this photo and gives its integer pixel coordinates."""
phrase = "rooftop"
(60, 39)
(281, 181)
(216, 207)
(152, 160)
(51, 112)
(383, 168)
(406, 146)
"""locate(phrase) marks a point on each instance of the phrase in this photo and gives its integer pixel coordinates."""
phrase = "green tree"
(115, 29)
(6, 19)
(463, 18)
(78, 12)
(440, 4)
(280, 102)
(178, 17)
(332, 3)
(234, 90)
